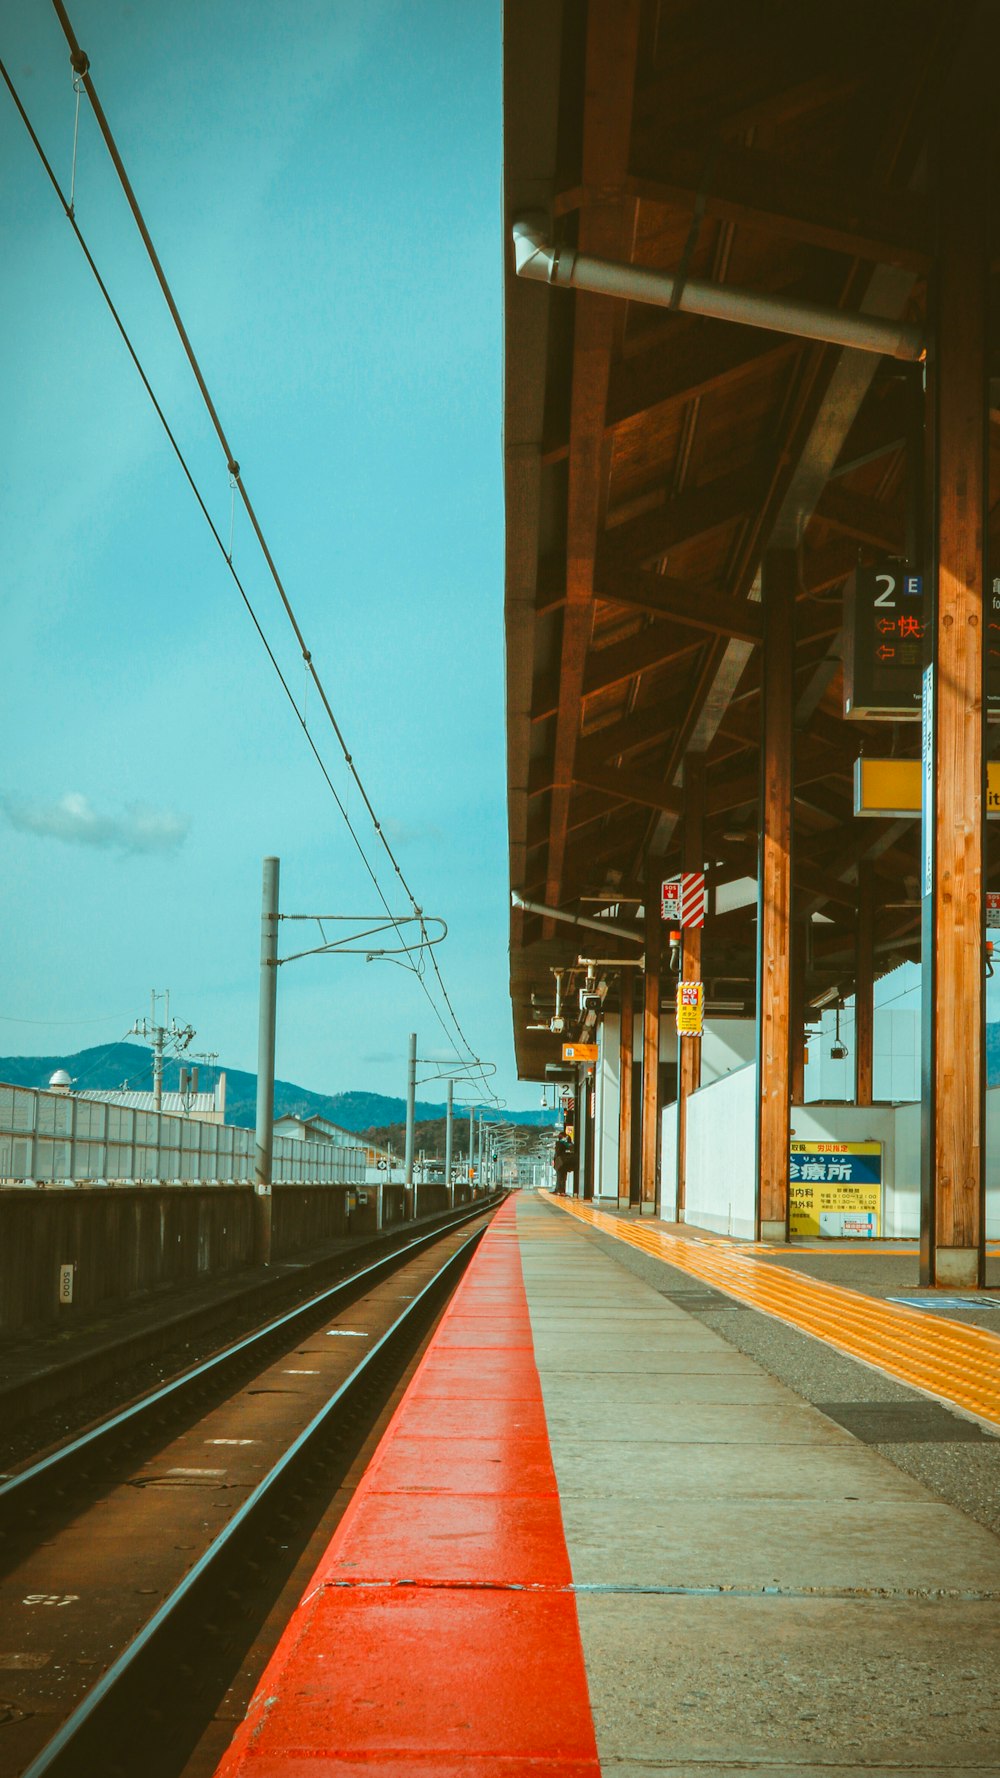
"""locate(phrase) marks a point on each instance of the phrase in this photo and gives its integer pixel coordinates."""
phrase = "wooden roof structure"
(653, 456)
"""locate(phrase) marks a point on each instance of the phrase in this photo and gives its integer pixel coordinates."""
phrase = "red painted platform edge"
(476, 1693)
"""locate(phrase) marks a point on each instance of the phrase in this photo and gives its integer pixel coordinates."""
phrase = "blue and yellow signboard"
(835, 1188)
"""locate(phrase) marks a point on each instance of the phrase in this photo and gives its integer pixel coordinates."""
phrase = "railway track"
(141, 1560)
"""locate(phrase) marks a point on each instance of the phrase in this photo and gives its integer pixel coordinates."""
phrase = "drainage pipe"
(605, 926)
(534, 257)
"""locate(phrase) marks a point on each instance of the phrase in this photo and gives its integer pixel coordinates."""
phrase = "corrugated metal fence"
(56, 1139)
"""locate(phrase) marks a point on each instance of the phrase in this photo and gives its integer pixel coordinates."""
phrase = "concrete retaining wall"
(124, 1241)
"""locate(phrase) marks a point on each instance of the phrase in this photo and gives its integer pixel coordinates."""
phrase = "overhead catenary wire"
(233, 468)
(80, 63)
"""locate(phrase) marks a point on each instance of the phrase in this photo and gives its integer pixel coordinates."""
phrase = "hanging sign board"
(690, 1008)
(835, 1188)
(885, 643)
(682, 901)
(579, 1052)
(894, 786)
(884, 629)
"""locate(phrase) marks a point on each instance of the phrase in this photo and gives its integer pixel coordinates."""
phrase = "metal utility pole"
(264, 1144)
(158, 1036)
(449, 1116)
(472, 1143)
(479, 1164)
(411, 1100)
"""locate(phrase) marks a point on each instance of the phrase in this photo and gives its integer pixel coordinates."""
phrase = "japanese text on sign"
(835, 1187)
(690, 1008)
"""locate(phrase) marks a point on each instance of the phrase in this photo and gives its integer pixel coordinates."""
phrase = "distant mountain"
(112, 1064)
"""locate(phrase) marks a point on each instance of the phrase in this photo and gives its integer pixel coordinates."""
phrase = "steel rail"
(19, 1491)
(84, 1734)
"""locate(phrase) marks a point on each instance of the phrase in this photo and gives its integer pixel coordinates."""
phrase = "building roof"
(173, 1104)
(652, 456)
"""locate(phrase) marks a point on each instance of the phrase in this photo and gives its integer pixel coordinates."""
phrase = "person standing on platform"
(563, 1162)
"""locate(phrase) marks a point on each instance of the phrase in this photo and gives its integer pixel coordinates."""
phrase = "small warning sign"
(690, 1008)
(992, 909)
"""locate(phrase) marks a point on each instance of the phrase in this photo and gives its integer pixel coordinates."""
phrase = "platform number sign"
(886, 630)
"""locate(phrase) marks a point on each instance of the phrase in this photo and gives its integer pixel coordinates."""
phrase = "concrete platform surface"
(597, 1538)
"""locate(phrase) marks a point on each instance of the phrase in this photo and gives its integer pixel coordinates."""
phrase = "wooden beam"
(626, 1042)
(638, 542)
(632, 787)
(792, 200)
(862, 518)
(698, 608)
(774, 897)
(644, 728)
(612, 39)
(864, 986)
(953, 974)
(649, 1170)
(695, 359)
(655, 646)
(689, 1048)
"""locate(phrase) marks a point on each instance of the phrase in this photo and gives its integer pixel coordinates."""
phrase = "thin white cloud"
(73, 819)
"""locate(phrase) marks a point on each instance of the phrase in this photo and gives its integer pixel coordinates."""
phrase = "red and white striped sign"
(683, 899)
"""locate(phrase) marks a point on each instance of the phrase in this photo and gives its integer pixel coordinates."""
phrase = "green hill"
(112, 1064)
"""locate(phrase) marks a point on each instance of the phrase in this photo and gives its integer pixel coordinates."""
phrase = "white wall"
(606, 1102)
(896, 1055)
(726, 1045)
(721, 1120)
(668, 1163)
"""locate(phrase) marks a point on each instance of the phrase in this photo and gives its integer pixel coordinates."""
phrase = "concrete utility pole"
(264, 1144)
(411, 1100)
(449, 1115)
(479, 1164)
(472, 1143)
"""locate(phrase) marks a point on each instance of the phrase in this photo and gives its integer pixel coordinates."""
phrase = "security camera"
(557, 1025)
(591, 1003)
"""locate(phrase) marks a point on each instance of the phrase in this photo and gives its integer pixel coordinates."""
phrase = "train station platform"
(610, 1530)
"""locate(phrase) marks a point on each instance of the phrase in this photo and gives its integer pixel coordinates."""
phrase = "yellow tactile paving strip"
(955, 1362)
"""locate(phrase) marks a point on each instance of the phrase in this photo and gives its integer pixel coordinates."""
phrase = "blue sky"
(322, 183)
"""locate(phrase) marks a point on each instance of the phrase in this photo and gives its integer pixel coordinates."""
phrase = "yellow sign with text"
(835, 1189)
(579, 1052)
(690, 1008)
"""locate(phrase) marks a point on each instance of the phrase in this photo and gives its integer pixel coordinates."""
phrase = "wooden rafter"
(612, 39)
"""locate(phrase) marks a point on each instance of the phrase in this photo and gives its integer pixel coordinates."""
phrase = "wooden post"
(689, 1048)
(649, 1171)
(774, 896)
(625, 1027)
(864, 986)
(952, 1239)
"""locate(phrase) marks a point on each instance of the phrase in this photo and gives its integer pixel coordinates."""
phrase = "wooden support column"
(864, 986)
(626, 1040)
(689, 1048)
(952, 1236)
(774, 895)
(649, 1172)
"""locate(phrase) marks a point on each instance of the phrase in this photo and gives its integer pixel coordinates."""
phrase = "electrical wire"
(417, 970)
(80, 64)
